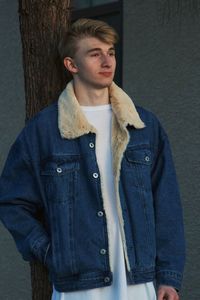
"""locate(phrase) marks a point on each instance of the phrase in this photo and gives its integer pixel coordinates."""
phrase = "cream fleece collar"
(72, 122)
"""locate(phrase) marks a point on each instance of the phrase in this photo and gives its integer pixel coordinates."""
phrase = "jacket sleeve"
(170, 242)
(19, 203)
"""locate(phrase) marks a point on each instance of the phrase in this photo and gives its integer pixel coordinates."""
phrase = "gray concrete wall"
(161, 72)
(14, 272)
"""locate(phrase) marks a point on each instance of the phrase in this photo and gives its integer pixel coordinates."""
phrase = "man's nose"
(106, 60)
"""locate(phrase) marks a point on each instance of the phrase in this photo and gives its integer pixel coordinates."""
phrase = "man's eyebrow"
(99, 49)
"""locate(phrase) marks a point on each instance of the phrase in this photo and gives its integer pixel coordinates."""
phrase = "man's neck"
(91, 96)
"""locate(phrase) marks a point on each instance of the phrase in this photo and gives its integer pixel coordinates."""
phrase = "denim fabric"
(61, 177)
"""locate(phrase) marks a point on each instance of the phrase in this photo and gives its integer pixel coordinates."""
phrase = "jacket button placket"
(99, 213)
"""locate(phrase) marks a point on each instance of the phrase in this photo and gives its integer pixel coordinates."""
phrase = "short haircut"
(86, 28)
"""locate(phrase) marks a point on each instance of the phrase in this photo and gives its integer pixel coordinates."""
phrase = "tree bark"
(42, 23)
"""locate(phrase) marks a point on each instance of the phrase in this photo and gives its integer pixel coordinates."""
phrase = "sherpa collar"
(72, 122)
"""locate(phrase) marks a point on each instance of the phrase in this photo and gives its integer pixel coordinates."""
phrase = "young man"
(102, 172)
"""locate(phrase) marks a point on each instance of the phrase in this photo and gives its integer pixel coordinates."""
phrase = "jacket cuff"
(40, 249)
(171, 278)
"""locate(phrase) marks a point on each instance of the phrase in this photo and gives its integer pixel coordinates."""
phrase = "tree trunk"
(42, 23)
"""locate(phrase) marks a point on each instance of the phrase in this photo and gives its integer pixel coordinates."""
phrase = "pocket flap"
(59, 165)
(140, 156)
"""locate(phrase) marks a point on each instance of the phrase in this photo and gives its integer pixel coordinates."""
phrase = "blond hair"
(86, 28)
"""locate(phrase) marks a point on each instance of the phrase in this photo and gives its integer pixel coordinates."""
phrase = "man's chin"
(102, 84)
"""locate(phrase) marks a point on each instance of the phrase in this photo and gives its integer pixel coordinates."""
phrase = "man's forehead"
(88, 43)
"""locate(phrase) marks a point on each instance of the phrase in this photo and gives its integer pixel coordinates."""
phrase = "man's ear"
(70, 65)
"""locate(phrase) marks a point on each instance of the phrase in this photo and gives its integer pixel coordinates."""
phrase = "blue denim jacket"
(52, 167)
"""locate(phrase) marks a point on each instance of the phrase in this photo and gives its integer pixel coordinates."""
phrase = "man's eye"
(112, 53)
(95, 54)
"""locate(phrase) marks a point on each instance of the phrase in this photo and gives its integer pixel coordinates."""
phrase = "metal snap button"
(100, 213)
(107, 279)
(103, 251)
(59, 170)
(147, 158)
(91, 145)
(95, 175)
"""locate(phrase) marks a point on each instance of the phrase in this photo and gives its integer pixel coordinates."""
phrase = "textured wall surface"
(161, 72)
(14, 272)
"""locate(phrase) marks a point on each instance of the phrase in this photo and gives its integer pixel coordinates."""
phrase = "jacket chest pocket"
(138, 167)
(60, 177)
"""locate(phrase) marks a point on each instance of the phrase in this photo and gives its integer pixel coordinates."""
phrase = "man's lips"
(106, 74)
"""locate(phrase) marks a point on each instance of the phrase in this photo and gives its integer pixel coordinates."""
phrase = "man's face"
(95, 63)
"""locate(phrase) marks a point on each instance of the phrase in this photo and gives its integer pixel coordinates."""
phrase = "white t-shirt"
(101, 118)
